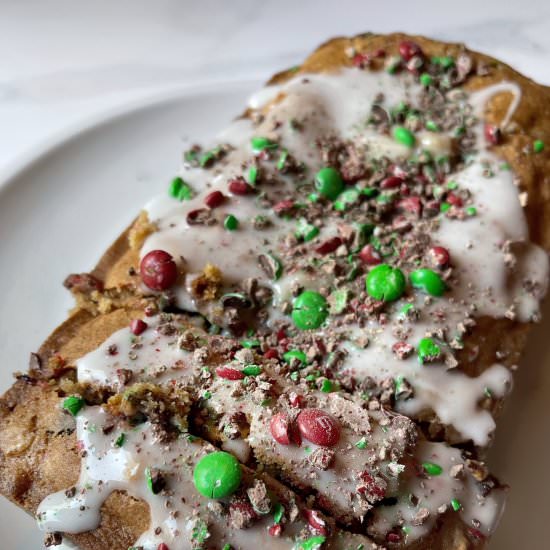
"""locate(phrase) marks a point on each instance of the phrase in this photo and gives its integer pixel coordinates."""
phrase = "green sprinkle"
(426, 79)
(405, 309)
(471, 210)
(432, 469)
(313, 543)
(190, 156)
(295, 354)
(327, 386)
(231, 222)
(385, 283)
(444, 207)
(455, 504)
(487, 392)
(432, 126)
(206, 395)
(369, 192)
(329, 183)
(406, 529)
(346, 198)
(208, 157)
(362, 443)
(252, 370)
(505, 166)
(252, 175)
(305, 230)
(282, 159)
(428, 281)
(404, 136)
(180, 190)
(250, 343)
(260, 144)
(445, 61)
(294, 375)
(119, 441)
(227, 547)
(278, 511)
(149, 480)
(309, 310)
(452, 185)
(73, 404)
(428, 350)
(313, 197)
(538, 146)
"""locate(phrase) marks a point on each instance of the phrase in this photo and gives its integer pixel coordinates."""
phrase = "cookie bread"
(306, 342)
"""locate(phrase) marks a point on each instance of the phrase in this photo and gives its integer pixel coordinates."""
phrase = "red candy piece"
(455, 200)
(369, 255)
(239, 187)
(408, 49)
(411, 204)
(280, 428)
(316, 521)
(319, 427)
(137, 326)
(229, 373)
(214, 199)
(328, 246)
(162, 546)
(296, 400)
(393, 537)
(275, 530)
(492, 134)
(391, 183)
(440, 256)
(283, 207)
(271, 353)
(158, 270)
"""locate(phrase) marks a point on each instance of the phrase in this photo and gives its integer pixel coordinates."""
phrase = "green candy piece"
(385, 283)
(444, 206)
(432, 469)
(428, 350)
(313, 543)
(404, 136)
(295, 354)
(73, 404)
(252, 175)
(362, 443)
(346, 198)
(329, 183)
(426, 79)
(217, 475)
(249, 344)
(260, 144)
(119, 441)
(369, 192)
(231, 222)
(310, 310)
(471, 210)
(327, 386)
(305, 230)
(455, 504)
(432, 126)
(538, 146)
(278, 511)
(282, 160)
(180, 190)
(428, 281)
(252, 370)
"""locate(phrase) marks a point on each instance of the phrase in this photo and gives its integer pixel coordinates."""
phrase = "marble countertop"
(65, 62)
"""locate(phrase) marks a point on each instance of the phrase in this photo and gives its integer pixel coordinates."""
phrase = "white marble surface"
(63, 61)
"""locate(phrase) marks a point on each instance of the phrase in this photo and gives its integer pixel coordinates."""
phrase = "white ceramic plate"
(65, 206)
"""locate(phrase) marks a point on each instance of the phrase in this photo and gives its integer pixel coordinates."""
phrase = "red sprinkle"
(316, 521)
(137, 326)
(455, 200)
(361, 60)
(214, 199)
(440, 256)
(411, 204)
(328, 246)
(319, 427)
(296, 400)
(391, 182)
(229, 373)
(275, 530)
(492, 134)
(369, 255)
(158, 270)
(283, 207)
(239, 187)
(162, 546)
(271, 353)
(393, 537)
(408, 49)
(280, 428)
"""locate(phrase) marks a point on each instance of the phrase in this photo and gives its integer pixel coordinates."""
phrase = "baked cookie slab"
(370, 237)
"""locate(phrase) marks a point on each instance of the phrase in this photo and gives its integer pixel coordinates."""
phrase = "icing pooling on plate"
(337, 104)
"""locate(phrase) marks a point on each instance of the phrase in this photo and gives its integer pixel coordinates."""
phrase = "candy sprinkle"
(217, 475)
(428, 351)
(329, 183)
(404, 136)
(432, 469)
(73, 404)
(428, 281)
(180, 190)
(538, 146)
(385, 283)
(260, 144)
(310, 310)
(455, 504)
(231, 223)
